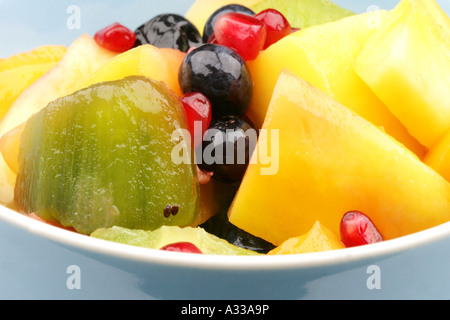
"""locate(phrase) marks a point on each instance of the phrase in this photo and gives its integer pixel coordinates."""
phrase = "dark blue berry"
(222, 75)
(220, 226)
(227, 148)
(169, 31)
(243, 239)
(209, 26)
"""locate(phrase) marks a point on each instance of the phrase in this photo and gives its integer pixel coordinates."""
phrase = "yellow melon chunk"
(406, 62)
(332, 161)
(10, 146)
(21, 70)
(146, 60)
(317, 239)
(324, 55)
(438, 157)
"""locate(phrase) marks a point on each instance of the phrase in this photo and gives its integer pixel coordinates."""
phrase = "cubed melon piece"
(19, 71)
(406, 62)
(438, 157)
(317, 239)
(161, 64)
(324, 55)
(331, 161)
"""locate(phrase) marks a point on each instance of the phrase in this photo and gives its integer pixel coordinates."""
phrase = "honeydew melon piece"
(206, 242)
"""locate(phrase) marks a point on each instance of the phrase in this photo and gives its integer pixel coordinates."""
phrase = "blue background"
(25, 24)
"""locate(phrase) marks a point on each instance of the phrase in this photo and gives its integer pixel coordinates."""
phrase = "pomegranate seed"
(245, 34)
(204, 177)
(357, 229)
(115, 37)
(191, 49)
(199, 112)
(212, 39)
(185, 247)
(276, 24)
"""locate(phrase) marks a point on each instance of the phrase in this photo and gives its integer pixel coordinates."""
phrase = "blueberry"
(209, 26)
(220, 226)
(169, 31)
(227, 148)
(243, 239)
(222, 75)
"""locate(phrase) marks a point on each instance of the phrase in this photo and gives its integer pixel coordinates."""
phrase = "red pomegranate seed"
(357, 229)
(199, 112)
(212, 39)
(243, 33)
(115, 37)
(276, 24)
(185, 247)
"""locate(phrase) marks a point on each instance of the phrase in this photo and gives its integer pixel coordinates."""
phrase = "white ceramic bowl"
(38, 261)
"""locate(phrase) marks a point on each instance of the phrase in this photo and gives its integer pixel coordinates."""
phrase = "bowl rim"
(223, 262)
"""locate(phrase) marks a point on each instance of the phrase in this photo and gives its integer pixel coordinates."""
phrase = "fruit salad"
(251, 127)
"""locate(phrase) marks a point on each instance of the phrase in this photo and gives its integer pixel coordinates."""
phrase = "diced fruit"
(356, 229)
(241, 32)
(21, 70)
(214, 198)
(184, 247)
(208, 31)
(169, 31)
(300, 13)
(102, 157)
(10, 145)
(204, 241)
(438, 157)
(276, 25)
(115, 37)
(318, 239)
(7, 181)
(83, 57)
(210, 201)
(146, 60)
(323, 55)
(411, 52)
(198, 110)
(227, 148)
(220, 226)
(52, 223)
(221, 75)
(243, 239)
(333, 161)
